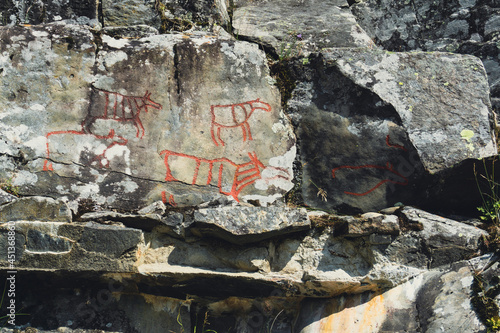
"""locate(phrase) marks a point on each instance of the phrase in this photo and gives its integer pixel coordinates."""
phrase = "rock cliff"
(249, 166)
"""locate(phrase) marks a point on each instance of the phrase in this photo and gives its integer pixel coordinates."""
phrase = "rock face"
(470, 27)
(153, 118)
(331, 261)
(362, 118)
(187, 166)
(277, 24)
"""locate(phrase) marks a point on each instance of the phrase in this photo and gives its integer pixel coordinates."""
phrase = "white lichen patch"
(24, 177)
(86, 190)
(39, 33)
(115, 43)
(128, 185)
(111, 58)
(279, 172)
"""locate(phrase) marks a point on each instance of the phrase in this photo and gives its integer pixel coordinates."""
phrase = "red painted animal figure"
(233, 116)
(388, 167)
(244, 175)
(120, 108)
(101, 158)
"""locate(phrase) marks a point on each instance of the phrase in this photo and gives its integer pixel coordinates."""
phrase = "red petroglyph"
(244, 175)
(170, 201)
(387, 138)
(233, 116)
(117, 140)
(123, 108)
(387, 167)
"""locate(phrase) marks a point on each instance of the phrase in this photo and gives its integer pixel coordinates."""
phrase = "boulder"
(467, 27)
(248, 224)
(292, 28)
(431, 302)
(440, 240)
(373, 124)
(46, 11)
(35, 209)
(163, 99)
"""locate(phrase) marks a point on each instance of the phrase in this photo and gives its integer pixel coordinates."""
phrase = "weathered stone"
(383, 225)
(441, 241)
(155, 208)
(35, 209)
(130, 13)
(469, 27)
(109, 240)
(390, 210)
(19, 245)
(46, 11)
(196, 149)
(422, 86)
(295, 27)
(6, 197)
(72, 247)
(136, 31)
(249, 224)
(39, 241)
(138, 221)
(431, 302)
(27, 108)
(363, 118)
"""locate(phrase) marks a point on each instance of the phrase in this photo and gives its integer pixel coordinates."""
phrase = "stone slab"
(94, 121)
(294, 28)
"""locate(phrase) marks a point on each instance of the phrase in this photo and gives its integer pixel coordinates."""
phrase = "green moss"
(8, 187)
(285, 80)
(171, 24)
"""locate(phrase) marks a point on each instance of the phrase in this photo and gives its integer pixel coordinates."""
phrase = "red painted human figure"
(234, 116)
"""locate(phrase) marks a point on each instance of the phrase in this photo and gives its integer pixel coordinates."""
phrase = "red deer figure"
(121, 108)
(245, 174)
(234, 115)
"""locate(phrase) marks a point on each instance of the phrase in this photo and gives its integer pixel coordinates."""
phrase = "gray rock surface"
(198, 131)
(468, 27)
(35, 209)
(73, 247)
(429, 302)
(372, 124)
(6, 197)
(45, 11)
(292, 32)
(130, 13)
(170, 157)
(249, 224)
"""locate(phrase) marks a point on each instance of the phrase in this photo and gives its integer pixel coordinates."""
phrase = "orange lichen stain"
(184, 36)
(364, 318)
